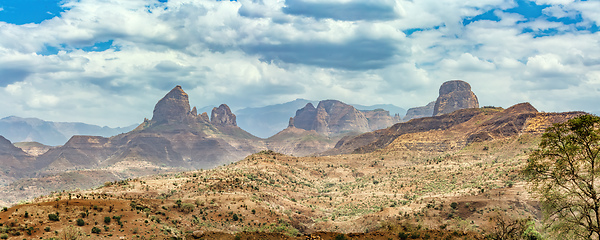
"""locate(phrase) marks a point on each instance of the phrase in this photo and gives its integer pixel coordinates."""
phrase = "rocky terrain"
(438, 177)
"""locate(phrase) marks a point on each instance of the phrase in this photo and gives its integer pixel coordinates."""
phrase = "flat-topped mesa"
(455, 95)
(173, 107)
(222, 116)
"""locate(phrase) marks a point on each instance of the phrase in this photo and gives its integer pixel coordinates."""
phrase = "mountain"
(465, 126)
(15, 162)
(313, 130)
(453, 176)
(332, 118)
(266, 121)
(453, 95)
(419, 112)
(391, 108)
(175, 136)
(51, 133)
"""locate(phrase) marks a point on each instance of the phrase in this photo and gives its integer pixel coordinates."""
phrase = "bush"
(340, 237)
(454, 205)
(4, 209)
(47, 229)
(53, 217)
(235, 217)
(187, 207)
(96, 230)
(4, 236)
(80, 222)
(107, 220)
(403, 236)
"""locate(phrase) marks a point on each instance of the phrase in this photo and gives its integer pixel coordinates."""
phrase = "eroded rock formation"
(454, 95)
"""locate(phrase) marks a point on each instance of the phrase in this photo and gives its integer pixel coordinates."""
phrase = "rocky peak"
(222, 116)
(454, 95)
(173, 107)
(331, 117)
(305, 117)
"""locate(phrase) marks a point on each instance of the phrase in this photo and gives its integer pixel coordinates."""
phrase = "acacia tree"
(565, 173)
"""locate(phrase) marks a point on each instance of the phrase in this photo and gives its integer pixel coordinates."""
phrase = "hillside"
(442, 179)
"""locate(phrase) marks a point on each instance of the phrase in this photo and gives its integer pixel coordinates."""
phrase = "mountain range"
(442, 176)
(19, 129)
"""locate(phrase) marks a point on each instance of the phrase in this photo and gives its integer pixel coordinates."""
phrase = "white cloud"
(254, 53)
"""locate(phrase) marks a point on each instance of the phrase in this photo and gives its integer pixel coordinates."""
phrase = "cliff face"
(172, 108)
(223, 116)
(380, 119)
(332, 117)
(419, 112)
(454, 95)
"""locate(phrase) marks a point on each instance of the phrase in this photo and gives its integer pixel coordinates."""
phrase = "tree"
(564, 172)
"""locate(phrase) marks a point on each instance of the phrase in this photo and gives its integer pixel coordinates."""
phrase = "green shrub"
(340, 237)
(187, 207)
(96, 230)
(454, 205)
(47, 229)
(80, 222)
(4, 236)
(53, 217)
(403, 236)
(107, 220)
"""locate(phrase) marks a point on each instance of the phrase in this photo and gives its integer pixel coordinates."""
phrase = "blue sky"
(89, 61)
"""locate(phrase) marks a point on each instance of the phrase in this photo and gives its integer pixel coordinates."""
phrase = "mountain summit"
(454, 95)
(174, 107)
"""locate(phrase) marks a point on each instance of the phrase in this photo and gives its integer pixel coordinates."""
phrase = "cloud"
(359, 54)
(260, 52)
(343, 10)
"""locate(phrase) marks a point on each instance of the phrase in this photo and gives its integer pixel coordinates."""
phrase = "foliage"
(71, 233)
(564, 172)
(340, 237)
(80, 222)
(53, 217)
(96, 230)
(4, 236)
(107, 220)
(187, 207)
(506, 228)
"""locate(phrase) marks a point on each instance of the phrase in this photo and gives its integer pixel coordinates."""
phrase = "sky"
(108, 62)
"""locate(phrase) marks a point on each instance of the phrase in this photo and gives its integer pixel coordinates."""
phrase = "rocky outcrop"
(419, 112)
(380, 119)
(454, 130)
(305, 117)
(222, 116)
(172, 108)
(175, 137)
(454, 95)
(331, 117)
